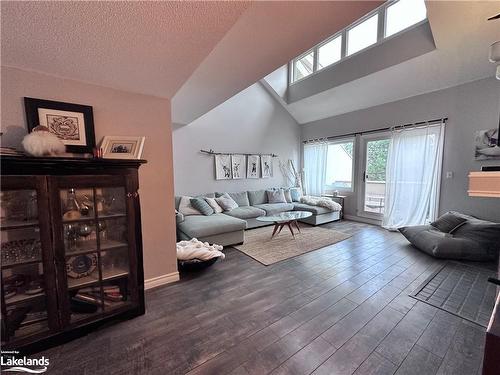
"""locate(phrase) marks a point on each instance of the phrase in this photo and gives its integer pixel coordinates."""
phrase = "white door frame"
(363, 141)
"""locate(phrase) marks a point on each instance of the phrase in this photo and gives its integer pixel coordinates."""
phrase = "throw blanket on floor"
(194, 249)
(321, 202)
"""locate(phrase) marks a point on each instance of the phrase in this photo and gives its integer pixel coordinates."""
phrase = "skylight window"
(388, 19)
(303, 66)
(403, 14)
(330, 52)
(362, 35)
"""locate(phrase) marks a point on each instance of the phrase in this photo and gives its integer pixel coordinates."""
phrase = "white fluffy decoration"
(194, 249)
(43, 143)
(321, 202)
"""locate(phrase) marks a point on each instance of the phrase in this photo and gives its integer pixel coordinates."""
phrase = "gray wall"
(470, 107)
(250, 122)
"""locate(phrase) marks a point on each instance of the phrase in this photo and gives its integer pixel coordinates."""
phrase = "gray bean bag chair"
(456, 236)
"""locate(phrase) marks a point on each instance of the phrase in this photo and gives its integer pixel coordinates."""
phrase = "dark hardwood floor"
(343, 309)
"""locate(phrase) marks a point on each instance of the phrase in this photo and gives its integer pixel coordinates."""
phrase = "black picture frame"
(32, 105)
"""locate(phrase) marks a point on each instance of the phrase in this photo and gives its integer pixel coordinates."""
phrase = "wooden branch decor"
(212, 152)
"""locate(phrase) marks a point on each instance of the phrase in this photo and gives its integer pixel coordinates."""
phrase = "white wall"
(470, 107)
(250, 122)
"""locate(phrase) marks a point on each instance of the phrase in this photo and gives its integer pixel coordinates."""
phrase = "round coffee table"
(285, 218)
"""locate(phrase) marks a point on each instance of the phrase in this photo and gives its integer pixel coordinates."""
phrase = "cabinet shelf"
(91, 279)
(93, 218)
(18, 298)
(17, 224)
(92, 248)
(25, 263)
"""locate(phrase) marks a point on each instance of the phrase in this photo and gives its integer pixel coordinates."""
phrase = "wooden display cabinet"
(71, 248)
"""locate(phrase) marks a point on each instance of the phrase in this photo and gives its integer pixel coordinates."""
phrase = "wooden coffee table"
(288, 219)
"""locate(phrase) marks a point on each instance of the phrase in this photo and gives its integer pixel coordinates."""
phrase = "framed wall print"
(266, 166)
(122, 147)
(223, 167)
(253, 166)
(238, 166)
(72, 123)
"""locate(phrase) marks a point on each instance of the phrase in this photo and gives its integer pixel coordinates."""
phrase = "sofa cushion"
(213, 203)
(275, 208)
(186, 208)
(257, 197)
(288, 195)
(275, 196)
(447, 246)
(247, 212)
(202, 226)
(296, 194)
(201, 205)
(226, 202)
(240, 198)
(316, 210)
(449, 222)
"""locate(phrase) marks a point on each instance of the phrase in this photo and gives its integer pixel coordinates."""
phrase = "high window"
(340, 165)
(390, 18)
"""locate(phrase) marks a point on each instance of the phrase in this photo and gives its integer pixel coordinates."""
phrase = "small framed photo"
(72, 123)
(122, 147)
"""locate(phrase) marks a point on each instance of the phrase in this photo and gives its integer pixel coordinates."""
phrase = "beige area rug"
(260, 246)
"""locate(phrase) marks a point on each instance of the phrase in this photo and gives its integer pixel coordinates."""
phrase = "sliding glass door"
(374, 148)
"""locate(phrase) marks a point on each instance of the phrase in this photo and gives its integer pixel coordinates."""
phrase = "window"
(390, 18)
(330, 52)
(403, 14)
(339, 165)
(303, 66)
(362, 35)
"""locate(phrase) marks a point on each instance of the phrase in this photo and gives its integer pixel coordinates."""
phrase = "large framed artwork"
(253, 166)
(72, 123)
(238, 166)
(222, 167)
(122, 147)
(266, 166)
(486, 142)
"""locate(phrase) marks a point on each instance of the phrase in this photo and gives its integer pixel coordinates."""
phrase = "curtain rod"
(412, 124)
(212, 152)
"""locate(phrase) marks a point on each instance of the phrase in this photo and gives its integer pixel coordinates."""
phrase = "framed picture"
(266, 166)
(122, 147)
(253, 166)
(487, 144)
(72, 123)
(238, 166)
(222, 167)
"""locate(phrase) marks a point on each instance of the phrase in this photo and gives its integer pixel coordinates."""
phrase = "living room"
(262, 187)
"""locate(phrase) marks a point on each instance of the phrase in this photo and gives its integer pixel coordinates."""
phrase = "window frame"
(381, 30)
(353, 174)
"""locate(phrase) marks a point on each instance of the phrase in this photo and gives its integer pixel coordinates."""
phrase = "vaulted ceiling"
(198, 53)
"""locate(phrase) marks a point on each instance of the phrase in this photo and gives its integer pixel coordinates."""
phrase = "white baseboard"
(161, 280)
(363, 219)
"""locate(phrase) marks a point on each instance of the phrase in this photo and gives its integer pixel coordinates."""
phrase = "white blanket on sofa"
(321, 202)
(195, 249)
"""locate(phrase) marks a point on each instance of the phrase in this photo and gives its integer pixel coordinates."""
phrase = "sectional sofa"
(228, 227)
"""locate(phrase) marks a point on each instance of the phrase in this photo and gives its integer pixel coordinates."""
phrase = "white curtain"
(413, 176)
(315, 156)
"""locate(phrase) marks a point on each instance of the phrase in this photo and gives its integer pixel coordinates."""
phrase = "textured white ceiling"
(145, 47)
(462, 37)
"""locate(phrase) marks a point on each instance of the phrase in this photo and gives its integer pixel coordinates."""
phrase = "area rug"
(461, 290)
(260, 246)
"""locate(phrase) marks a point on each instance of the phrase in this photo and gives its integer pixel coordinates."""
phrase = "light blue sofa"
(228, 228)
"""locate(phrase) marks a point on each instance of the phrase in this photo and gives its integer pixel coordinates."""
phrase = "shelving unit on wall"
(63, 277)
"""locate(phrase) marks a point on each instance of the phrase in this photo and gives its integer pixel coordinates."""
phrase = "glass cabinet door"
(24, 298)
(96, 249)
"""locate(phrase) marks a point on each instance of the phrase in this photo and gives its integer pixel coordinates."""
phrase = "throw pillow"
(186, 208)
(226, 202)
(275, 196)
(201, 205)
(448, 222)
(288, 195)
(296, 194)
(240, 198)
(215, 206)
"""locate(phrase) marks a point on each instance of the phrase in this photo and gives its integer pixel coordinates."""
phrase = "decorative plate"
(81, 265)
